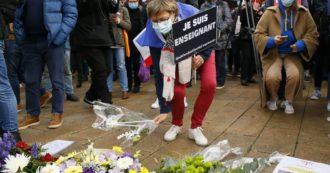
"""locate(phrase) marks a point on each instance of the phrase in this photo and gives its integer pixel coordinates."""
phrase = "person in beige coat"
(285, 36)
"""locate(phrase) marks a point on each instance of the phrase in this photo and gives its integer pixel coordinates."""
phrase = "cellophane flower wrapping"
(213, 160)
(136, 125)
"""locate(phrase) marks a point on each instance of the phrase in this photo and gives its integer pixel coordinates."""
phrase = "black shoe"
(244, 82)
(136, 89)
(85, 78)
(72, 97)
(88, 101)
(252, 81)
(16, 136)
(79, 85)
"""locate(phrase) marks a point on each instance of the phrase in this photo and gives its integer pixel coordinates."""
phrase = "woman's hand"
(279, 39)
(197, 61)
(160, 118)
(294, 48)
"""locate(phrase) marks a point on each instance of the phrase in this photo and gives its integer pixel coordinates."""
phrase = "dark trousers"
(165, 107)
(247, 60)
(234, 56)
(36, 53)
(220, 61)
(99, 60)
(79, 64)
(132, 67)
(14, 60)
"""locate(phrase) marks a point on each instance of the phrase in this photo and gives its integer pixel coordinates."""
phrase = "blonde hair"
(156, 6)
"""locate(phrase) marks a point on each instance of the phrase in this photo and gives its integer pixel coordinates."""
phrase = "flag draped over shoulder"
(149, 38)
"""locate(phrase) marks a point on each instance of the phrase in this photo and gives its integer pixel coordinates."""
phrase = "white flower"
(49, 169)
(14, 163)
(125, 162)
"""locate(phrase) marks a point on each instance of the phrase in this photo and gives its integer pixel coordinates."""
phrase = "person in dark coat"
(138, 18)
(92, 37)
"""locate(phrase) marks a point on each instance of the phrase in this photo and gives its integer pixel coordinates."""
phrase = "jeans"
(220, 61)
(68, 88)
(100, 61)
(8, 109)
(121, 67)
(37, 52)
(14, 59)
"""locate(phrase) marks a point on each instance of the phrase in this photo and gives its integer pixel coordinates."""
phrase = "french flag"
(144, 50)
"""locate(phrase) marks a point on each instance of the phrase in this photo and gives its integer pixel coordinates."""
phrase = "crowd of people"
(44, 42)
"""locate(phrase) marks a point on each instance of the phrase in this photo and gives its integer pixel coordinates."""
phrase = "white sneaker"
(272, 105)
(185, 102)
(316, 95)
(197, 135)
(155, 105)
(328, 107)
(328, 119)
(288, 108)
(171, 133)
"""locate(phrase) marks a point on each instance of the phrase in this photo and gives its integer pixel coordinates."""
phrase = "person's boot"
(28, 121)
(16, 136)
(44, 99)
(56, 121)
(124, 95)
(72, 97)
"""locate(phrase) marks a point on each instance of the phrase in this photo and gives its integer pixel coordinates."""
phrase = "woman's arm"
(125, 21)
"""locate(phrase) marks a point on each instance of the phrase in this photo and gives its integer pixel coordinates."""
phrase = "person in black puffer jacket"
(92, 37)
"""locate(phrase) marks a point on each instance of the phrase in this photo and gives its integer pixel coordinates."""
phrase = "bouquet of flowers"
(111, 116)
(210, 161)
(96, 161)
(17, 157)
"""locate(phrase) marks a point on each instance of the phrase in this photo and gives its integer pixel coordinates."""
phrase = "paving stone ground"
(235, 114)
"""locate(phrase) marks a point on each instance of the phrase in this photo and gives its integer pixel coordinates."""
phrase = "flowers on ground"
(16, 163)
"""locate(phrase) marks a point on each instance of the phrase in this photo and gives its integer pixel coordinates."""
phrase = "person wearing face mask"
(171, 83)
(285, 36)
(138, 18)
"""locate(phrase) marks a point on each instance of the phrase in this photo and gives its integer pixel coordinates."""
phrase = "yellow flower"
(59, 160)
(137, 154)
(117, 149)
(144, 170)
(73, 169)
(132, 171)
(105, 163)
(72, 154)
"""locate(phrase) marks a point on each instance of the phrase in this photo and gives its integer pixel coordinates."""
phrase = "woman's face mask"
(287, 3)
(133, 5)
(163, 27)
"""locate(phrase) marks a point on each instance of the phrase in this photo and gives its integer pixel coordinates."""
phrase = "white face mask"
(287, 3)
(163, 27)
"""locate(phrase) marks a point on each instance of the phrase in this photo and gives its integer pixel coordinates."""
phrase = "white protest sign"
(54, 147)
(295, 165)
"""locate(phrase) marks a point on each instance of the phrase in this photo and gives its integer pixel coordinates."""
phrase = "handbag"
(144, 71)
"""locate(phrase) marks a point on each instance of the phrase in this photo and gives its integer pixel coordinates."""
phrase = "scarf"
(168, 68)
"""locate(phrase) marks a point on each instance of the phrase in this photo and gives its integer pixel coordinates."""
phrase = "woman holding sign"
(171, 78)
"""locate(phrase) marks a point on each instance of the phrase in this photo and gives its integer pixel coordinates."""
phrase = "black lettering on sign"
(194, 34)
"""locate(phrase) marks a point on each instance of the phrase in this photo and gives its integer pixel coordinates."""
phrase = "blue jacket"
(60, 17)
